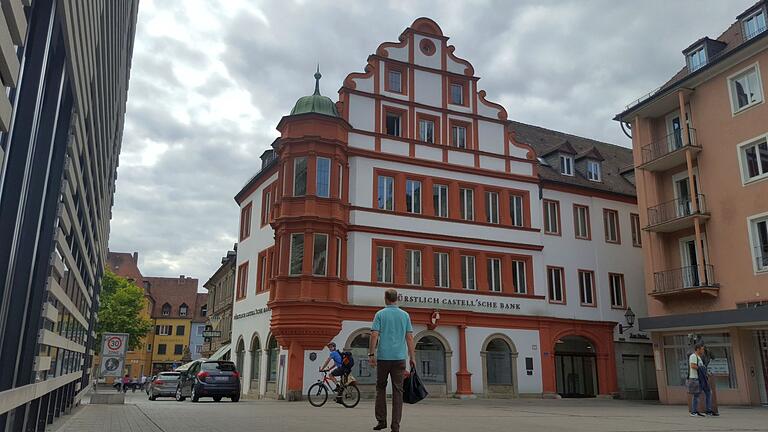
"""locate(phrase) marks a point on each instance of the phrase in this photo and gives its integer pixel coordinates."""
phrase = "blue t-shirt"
(392, 323)
(336, 356)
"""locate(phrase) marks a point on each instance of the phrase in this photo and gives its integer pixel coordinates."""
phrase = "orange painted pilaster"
(547, 349)
(295, 376)
(463, 377)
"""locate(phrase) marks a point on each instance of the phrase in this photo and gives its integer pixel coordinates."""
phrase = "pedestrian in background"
(698, 382)
(391, 339)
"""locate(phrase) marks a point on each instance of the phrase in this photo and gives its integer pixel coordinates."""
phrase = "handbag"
(413, 388)
(693, 385)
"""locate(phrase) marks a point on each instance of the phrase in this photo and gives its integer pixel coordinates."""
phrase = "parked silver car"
(164, 384)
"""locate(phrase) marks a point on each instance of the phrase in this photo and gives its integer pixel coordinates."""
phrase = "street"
(593, 415)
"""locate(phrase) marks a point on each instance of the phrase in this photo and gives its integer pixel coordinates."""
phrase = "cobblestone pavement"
(167, 415)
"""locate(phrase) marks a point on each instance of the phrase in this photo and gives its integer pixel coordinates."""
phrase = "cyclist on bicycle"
(337, 370)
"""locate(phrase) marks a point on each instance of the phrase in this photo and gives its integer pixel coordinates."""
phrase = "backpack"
(347, 361)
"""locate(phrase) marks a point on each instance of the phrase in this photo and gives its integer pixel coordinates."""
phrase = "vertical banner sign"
(113, 347)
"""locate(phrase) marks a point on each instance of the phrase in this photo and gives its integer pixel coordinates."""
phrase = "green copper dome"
(316, 103)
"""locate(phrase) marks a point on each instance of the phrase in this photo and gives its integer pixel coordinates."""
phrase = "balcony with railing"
(685, 280)
(676, 214)
(669, 151)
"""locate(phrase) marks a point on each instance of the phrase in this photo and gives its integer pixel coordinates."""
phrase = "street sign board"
(112, 366)
(212, 333)
(114, 344)
(113, 347)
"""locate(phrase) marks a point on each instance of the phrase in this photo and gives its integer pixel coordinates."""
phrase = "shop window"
(718, 355)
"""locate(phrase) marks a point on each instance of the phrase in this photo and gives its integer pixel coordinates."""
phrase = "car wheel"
(179, 397)
(217, 398)
(236, 398)
(195, 397)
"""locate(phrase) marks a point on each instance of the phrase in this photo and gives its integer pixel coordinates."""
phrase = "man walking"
(698, 382)
(391, 334)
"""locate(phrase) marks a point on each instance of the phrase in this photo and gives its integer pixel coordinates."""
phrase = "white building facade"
(414, 181)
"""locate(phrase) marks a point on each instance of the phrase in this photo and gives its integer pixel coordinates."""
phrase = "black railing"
(668, 144)
(675, 209)
(684, 277)
(761, 257)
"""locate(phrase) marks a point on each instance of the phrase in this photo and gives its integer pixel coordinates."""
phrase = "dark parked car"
(209, 378)
(164, 384)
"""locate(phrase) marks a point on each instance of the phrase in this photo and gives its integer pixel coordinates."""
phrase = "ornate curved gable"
(420, 79)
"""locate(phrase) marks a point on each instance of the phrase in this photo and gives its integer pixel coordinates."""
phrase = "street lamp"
(629, 316)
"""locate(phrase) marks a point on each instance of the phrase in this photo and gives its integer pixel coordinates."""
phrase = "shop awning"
(743, 317)
(220, 353)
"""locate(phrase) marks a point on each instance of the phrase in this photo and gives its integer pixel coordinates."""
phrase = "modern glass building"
(65, 65)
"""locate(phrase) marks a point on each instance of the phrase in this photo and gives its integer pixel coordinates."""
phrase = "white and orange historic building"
(515, 249)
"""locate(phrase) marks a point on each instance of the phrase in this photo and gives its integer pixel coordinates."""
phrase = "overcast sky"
(211, 79)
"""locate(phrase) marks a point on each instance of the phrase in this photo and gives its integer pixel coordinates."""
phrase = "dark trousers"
(396, 370)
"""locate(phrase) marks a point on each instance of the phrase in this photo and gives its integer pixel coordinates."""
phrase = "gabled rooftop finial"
(318, 75)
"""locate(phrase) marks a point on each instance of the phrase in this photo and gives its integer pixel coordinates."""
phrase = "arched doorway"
(240, 355)
(273, 352)
(358, 346)
(432, 363)
(576, 367)
(499, 356)
(255, 363)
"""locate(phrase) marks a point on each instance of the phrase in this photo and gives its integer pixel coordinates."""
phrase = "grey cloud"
(571, 70)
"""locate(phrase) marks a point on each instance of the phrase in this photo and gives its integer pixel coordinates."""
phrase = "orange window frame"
(390, 67)
(245, 221)
(562, 286)
(594, 289)
(436, 129)
(623, 291)
(242, 280)
(464, 91)
(468, 143)
(615, 214)
(576, 208)
(400, 112)
(559, 231)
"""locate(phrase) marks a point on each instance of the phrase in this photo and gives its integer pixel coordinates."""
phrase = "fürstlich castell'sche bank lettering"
(515, 249)
(66, 66)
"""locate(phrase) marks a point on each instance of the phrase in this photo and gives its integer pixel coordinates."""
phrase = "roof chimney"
(136, 258)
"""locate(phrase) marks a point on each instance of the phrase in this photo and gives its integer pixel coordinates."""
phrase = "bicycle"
(348, 393)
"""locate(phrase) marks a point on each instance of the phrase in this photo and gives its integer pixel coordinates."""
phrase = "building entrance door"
(762, 348)
(575, 368)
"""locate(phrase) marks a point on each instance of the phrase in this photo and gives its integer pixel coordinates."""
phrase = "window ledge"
(747, 108)
(753, 180)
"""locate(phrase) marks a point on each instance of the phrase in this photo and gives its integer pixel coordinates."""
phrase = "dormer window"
(697, 59)
(566, 165)
(754, 24)
(593, 171)
(183, 310)
(166, 309)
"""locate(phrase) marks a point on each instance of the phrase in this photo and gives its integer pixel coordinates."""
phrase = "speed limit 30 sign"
(114, 344)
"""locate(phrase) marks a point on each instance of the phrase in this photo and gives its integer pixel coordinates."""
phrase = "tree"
(120, 310)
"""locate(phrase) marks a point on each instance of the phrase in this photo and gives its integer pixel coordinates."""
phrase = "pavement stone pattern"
(537, 415)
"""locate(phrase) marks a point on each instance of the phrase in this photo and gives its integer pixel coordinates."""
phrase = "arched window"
(166, 309)
(430, 360)
(183, 309)
(255, 359)
(273, 354)
(240, 355)
(499, 358)
(364, 373)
